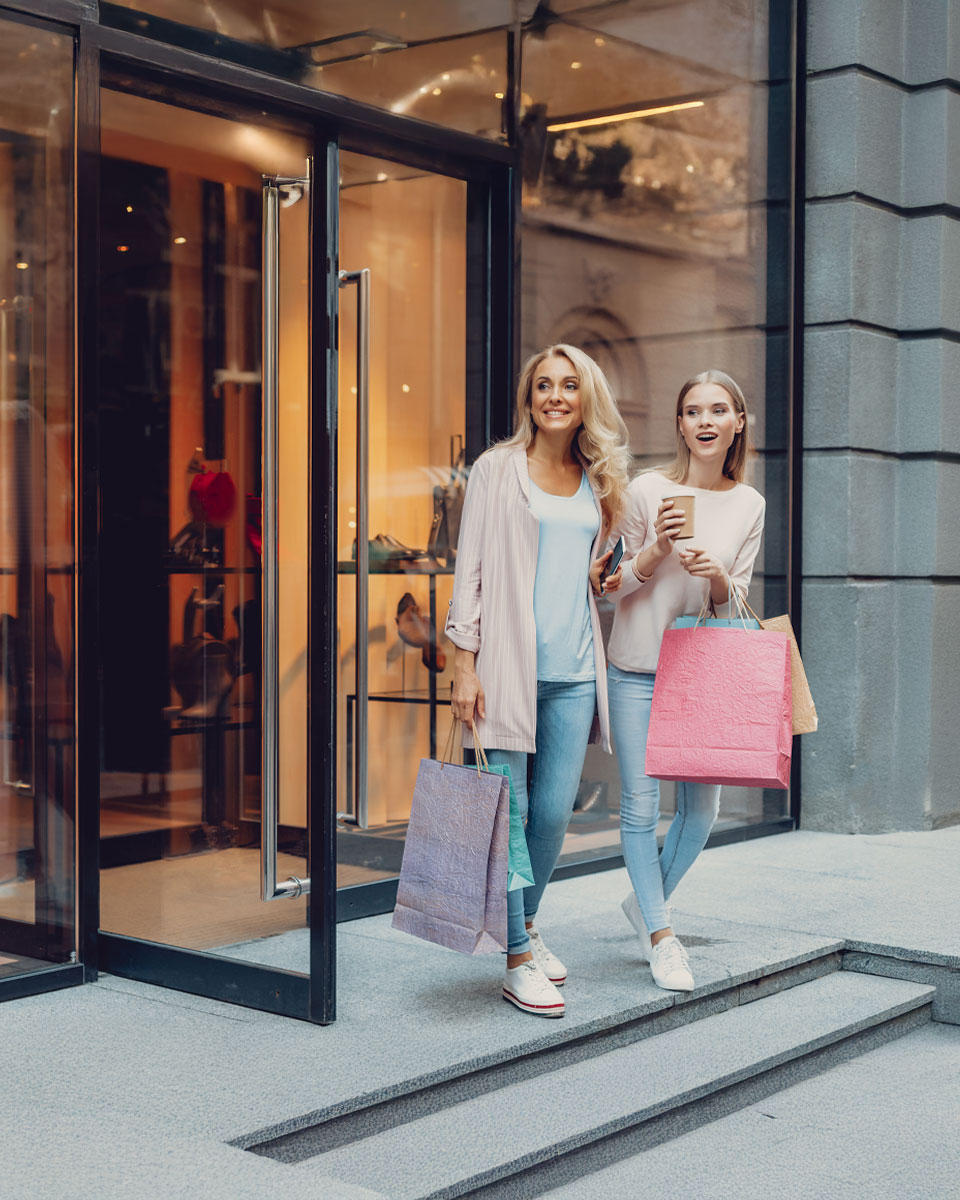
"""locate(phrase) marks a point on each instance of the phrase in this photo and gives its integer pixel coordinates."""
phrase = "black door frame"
(114, 57)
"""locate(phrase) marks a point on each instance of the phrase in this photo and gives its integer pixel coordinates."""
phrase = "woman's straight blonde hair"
(601, 441)
(735, 464)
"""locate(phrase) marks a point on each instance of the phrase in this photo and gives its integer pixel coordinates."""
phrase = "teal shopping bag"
(716, 623)
(519, 870)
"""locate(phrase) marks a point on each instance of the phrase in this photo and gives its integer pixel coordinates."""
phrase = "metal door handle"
(270, 889)
(362, 279)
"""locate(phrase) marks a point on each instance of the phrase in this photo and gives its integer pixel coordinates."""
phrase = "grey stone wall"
(881, 433)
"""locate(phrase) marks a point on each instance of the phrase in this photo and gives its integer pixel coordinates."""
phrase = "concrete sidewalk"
(122, 1089)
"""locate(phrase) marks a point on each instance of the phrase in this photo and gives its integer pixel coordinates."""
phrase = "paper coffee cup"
(687, 504)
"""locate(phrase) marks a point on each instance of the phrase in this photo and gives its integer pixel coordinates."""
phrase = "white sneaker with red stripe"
(545, 959)
(528, 988)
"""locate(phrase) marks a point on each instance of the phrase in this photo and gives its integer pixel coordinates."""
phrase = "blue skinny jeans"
(565, 713)
(654, 874)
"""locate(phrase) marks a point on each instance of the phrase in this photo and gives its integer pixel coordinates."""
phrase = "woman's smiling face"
(555, 396)
(709, 422)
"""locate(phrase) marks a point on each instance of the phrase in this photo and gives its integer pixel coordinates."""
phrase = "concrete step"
(729, 973)
(539, 1132)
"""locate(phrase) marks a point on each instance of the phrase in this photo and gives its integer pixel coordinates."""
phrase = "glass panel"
(37, 544)
(181, 425)
(655, 236)
(445, 63)
(409, 228)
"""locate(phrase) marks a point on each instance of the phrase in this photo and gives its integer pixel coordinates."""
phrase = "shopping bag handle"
(733, 594)
(482, 763)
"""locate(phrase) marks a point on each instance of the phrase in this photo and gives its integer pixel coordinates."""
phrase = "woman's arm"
(463, 618)
(703, 565)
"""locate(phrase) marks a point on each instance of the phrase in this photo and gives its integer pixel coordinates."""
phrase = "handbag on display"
(202, 665)
(722, 705)
(448, 506)
(453, 879)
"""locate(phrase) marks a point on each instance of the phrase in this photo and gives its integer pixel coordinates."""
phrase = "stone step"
(540, 1132)
(733, 967)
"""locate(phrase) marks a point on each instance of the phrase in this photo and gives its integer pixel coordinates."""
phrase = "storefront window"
(654, 236)
(37, 544)
(440, 62)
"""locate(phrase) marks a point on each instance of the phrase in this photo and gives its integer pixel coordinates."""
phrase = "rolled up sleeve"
(463, 616)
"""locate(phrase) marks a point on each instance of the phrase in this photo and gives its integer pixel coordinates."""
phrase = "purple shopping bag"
(722, 708)
(453, 879)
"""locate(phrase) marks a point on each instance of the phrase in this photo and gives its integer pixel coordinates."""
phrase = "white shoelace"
(674, 955)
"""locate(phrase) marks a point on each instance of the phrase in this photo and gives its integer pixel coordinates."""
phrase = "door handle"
(361, 278)
(270, 889)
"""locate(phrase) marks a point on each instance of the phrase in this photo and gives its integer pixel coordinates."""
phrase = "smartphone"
(614, 559)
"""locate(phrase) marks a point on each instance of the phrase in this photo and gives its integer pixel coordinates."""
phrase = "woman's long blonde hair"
(601, 441)
(735, 463)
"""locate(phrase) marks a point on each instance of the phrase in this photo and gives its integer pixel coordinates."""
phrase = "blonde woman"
(658, 582)
(529, 665)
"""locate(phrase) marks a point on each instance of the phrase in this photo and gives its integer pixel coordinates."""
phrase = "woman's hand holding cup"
(668, 523)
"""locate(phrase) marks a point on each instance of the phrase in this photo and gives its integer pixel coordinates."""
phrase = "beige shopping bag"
(804, 713)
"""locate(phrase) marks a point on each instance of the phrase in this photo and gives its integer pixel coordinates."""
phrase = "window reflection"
(649, 234)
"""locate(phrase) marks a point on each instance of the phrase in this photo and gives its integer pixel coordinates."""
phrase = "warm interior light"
(598, 41)
(498, 95)
(405, 387)
(179, 241)
(575, 66)
(437, 91)
(382, 176)
(123, 249)
(445, 75)
(129, 208)
(22, 266)
(613, 118)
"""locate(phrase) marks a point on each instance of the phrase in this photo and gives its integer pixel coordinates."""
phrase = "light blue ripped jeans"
(654, 874)
(565, 711)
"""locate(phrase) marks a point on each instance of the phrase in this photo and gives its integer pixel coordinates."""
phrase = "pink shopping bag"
(722, 708)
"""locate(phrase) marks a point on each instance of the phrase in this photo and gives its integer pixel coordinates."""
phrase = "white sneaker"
(545, 959)
(669, 966)
(528, 988)
(631, 910)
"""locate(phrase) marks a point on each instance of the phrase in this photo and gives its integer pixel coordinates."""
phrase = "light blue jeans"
(565, 713)
(654, 874)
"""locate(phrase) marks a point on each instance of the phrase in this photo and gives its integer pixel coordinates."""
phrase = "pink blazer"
(491, 611)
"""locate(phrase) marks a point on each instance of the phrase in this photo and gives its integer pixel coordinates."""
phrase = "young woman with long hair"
(530, 667)
(659, 581)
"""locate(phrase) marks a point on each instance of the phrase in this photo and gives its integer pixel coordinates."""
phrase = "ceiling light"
(437, 91)
(179, 241)
(613, 118)
(575, 66)
(599, 41)
(445, 76)
(382, 176)
(129, 208)
(122, 249)
(498, 95)
(22, 266)
(405, 387)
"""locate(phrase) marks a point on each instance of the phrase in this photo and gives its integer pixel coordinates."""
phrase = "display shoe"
(669, 966)
(416, 630)
(545, 959)
(528, 988)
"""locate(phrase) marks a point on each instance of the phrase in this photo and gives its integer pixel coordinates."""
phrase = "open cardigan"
(491, 612)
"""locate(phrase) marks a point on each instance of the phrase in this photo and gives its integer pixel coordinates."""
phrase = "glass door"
(206, 485)
(37, 541)
(410, 415)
